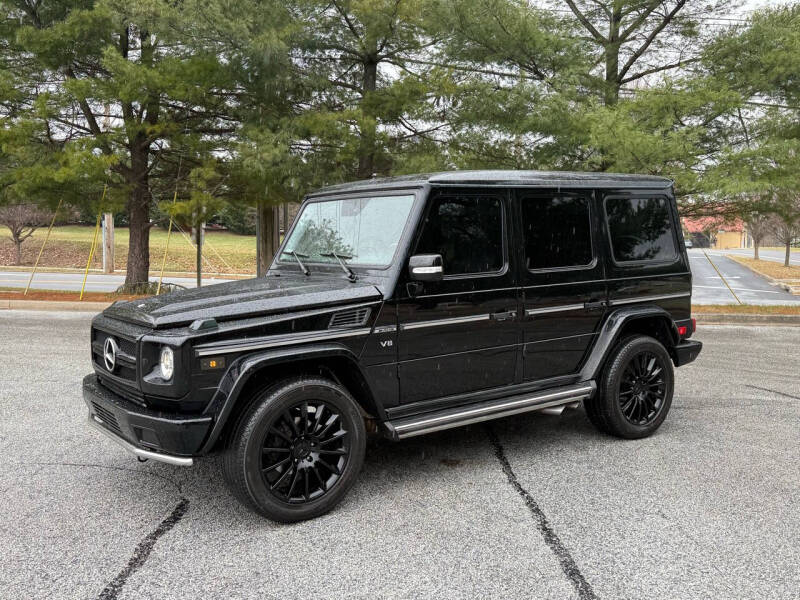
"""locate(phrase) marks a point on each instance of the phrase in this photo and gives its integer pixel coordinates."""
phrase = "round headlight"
(167, 363)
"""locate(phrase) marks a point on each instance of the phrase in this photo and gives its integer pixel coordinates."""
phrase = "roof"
(547, 179)
(717, 224)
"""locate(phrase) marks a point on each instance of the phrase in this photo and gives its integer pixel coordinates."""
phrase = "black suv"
(411, 305)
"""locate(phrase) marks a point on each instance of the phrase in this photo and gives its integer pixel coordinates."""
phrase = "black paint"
(143, 550)
(555, 544)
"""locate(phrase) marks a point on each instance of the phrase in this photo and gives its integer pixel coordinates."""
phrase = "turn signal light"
(682, 330)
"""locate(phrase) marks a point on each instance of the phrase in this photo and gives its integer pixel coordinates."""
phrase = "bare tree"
(22, 220)
(758, 226)
(785, 225)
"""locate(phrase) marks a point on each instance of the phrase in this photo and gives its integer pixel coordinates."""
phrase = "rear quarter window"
(640, 229)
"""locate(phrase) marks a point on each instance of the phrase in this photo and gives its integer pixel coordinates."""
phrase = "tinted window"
(558, 232)
(467, 231)
(641, 229)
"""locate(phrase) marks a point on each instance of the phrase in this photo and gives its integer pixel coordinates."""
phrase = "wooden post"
(108, 243)
(198, 233)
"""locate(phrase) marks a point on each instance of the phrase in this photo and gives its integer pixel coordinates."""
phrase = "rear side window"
(641, 229)
(558, 232)
(467, 231)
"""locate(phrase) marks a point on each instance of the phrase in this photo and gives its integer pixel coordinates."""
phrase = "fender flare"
(612, 328)
(244, 368)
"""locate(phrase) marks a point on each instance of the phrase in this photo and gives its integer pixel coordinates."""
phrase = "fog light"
(167, 363)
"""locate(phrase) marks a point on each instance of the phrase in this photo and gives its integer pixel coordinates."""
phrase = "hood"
(240, 299)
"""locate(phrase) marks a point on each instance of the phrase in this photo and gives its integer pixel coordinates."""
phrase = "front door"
(460, 334)
(564, 290)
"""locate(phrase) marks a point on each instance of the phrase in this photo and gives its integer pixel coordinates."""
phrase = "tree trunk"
(611, 94)
(268, 237)
(366, 151)
(18, 244)
(755, 249)
(786, 260)
(138, 270)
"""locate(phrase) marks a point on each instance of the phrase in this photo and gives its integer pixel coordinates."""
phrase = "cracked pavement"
(708, 507)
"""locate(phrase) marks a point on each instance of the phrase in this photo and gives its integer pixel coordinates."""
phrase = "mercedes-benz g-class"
(412, 304)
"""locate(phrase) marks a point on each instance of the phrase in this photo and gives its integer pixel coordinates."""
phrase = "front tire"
(635, 392)
(297, 449)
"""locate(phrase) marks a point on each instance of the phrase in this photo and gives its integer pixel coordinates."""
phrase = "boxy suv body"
(413, 304)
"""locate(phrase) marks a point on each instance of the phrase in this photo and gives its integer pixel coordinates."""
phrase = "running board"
(407, 427)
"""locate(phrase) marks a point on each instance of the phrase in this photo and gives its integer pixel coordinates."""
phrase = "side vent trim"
(353, 317)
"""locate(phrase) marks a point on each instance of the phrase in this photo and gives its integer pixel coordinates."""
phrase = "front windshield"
(362, 231)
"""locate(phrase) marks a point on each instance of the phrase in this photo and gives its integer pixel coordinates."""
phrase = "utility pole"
(108, 243)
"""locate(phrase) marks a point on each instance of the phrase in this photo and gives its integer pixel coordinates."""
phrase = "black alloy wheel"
(304, 452)
(634, 393)
(643, 388)
(296, 450)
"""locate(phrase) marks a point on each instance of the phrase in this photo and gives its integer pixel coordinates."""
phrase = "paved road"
(773, 255)
(707, 508)
(96, 282)
(709, 288)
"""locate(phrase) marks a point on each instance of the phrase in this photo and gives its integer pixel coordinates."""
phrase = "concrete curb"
(53, 305)
(746, 319)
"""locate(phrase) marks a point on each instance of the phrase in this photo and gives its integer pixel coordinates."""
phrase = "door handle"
(595, 304)
(503, 316)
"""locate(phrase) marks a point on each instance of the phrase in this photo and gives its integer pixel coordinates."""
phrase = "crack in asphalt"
(143, 550)
(568, 565)
(784, 394)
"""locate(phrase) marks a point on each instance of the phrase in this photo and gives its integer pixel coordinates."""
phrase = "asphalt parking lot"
(739, 283)
(532, 507)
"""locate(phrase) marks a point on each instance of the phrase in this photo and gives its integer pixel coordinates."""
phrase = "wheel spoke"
(280, 434)
(294, 483)
(290, 419)
(306, 495)
(336, 436)
(304, 417)
(319, 478)
(328, 425)
(332, 468)
(333, 452)
(283, 477)
(268, 449)
(276, 465)
(318, 418)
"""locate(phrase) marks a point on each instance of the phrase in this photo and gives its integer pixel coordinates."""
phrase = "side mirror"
(426, 267)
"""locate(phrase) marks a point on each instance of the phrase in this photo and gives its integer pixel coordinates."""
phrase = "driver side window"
(467, 231)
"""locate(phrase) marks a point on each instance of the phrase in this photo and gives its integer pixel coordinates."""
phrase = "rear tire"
(297, 450)
(635, 392)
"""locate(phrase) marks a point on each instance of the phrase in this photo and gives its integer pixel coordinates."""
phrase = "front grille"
(107, 417)
(354, 317)
(126, 356)
(130, 394)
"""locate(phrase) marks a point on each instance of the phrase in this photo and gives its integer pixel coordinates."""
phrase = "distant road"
(771, 255)
(72, 282)
(709, 288)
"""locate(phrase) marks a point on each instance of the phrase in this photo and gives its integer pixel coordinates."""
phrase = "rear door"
(562, 272)
(460, 334)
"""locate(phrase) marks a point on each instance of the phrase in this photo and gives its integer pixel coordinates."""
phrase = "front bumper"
(686, 352)
(146, 433)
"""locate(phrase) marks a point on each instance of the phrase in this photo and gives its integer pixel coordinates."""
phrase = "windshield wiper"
(297, 256)
(341, 258)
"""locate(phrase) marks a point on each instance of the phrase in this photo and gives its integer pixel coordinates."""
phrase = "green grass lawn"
(68, 247)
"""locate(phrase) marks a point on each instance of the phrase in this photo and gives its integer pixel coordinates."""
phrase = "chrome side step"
(407, 427)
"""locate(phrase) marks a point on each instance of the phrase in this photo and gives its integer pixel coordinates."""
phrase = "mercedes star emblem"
(110, 348)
